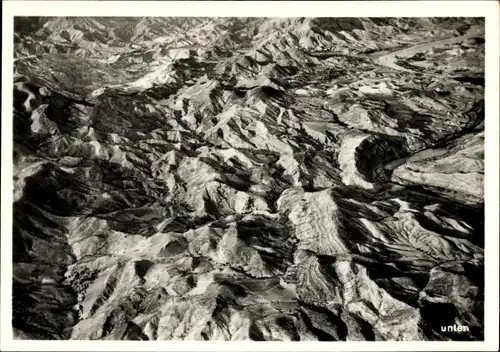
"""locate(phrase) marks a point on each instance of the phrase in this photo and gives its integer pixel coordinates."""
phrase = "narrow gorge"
(248, 178)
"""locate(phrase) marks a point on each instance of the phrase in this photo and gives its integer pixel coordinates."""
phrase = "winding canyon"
(248, 178)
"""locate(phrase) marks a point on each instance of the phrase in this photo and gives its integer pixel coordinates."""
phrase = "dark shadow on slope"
(329, 326)
(117, 114)
(479, 81)
(38, 241)
(28, 25)
(270, 239)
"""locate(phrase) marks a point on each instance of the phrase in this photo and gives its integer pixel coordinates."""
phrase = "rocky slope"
(251, 178)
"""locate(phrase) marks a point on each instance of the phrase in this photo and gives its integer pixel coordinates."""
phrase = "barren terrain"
(248, 178)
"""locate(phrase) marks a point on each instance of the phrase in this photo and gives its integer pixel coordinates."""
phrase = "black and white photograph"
(248, 178)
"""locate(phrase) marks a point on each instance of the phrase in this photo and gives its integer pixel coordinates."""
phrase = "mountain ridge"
(248, 178)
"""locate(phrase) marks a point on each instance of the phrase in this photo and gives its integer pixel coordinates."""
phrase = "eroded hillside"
(251, 178)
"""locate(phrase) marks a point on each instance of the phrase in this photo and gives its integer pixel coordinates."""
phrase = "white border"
(488, 9)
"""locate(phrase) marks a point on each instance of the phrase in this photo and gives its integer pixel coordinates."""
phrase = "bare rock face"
(251, 178)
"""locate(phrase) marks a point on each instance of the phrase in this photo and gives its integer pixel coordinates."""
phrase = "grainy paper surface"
(204, 177)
